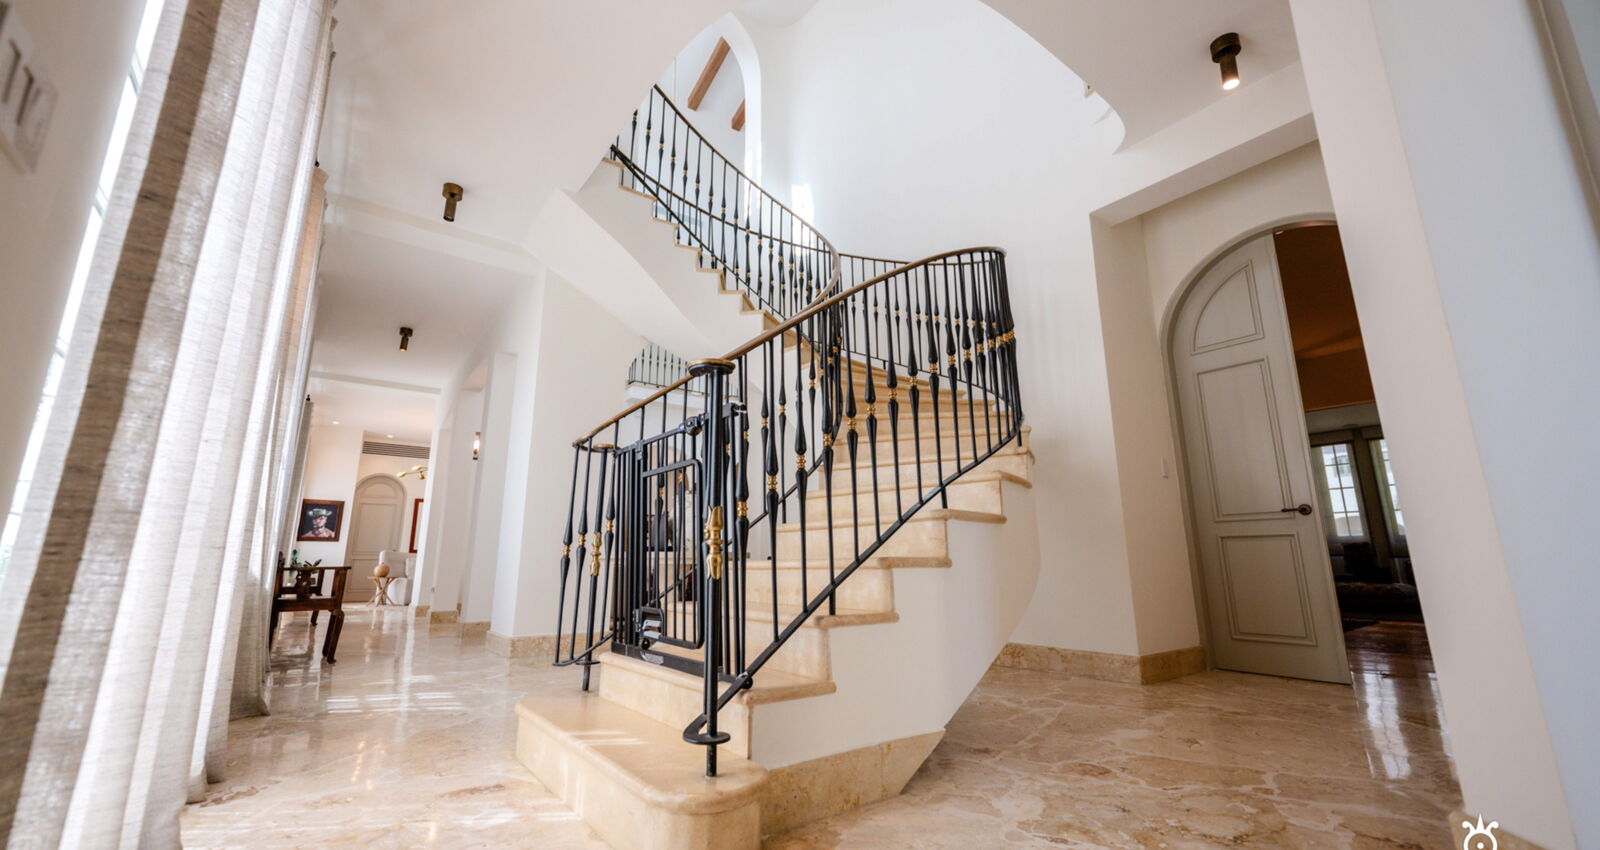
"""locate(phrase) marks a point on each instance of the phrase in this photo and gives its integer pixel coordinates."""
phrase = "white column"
(1473, 256)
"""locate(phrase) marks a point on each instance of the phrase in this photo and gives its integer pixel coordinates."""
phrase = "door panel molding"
(1224, 463)
(1266, 613)
(1264, 577)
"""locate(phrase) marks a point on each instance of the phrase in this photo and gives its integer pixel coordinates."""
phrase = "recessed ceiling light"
(390, 436)
(336, 422)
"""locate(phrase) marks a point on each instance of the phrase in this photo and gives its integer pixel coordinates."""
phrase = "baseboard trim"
(442, 618)
(475, 629)
(519, 646)
(420, 611)
(1506, 840)
(1109, 666)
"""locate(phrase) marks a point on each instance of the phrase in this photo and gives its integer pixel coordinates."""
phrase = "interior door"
(1266, 576)
(375, 526)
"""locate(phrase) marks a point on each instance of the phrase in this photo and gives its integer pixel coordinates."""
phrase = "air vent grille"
(394, 450)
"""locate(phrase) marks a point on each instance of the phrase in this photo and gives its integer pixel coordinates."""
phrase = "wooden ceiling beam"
(709, 73)
(738, 118)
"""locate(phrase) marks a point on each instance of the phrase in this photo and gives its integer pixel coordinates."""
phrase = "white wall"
(1473, 258)
(1183, 236)
(86, 47)
(1004, 168)
(556, 403)
(714, 118)
(451, 521)
(333, 463)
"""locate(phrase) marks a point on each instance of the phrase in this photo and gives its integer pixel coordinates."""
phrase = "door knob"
(1303, 510)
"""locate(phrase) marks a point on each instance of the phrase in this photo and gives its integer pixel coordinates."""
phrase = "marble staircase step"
(633, 779)
(675, 698)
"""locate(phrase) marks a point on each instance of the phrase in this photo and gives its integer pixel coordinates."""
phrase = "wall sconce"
(1225, 52)
(477, 443)
(420, 470)
(405, 339)
(453, 193)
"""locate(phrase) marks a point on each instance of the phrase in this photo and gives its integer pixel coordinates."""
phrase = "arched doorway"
(1265, 576)
(375, 524)
(1298, 535)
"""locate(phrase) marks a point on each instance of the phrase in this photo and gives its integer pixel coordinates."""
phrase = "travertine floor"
(407, 742)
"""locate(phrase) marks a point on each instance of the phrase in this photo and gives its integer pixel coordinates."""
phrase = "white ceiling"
(372, 286)
(510, 98)
(515, 99)
(380, 411)
(1151, 59)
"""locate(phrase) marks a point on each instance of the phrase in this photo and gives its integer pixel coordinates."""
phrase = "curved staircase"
(836, 514)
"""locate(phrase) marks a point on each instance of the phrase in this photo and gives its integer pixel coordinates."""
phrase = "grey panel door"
(1266, 577)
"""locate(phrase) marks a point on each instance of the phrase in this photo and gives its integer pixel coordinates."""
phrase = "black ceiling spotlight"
(405, 339)
(1225, 52)
(452, 196)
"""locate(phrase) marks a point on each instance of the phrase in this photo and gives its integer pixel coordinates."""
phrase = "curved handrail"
(826, 383)
(773, 333)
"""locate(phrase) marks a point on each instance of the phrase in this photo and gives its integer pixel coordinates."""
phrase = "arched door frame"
(355, 513)
(1169, 317)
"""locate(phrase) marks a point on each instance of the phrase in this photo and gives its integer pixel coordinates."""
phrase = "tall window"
(80, 273)
(1391, 493)
(1339, 477)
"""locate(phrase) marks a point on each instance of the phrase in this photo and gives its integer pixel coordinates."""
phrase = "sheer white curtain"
(148, 535)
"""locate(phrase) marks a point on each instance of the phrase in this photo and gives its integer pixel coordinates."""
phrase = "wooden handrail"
(810, 310)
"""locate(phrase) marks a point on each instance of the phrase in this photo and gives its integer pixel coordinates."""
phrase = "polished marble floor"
(407, 742)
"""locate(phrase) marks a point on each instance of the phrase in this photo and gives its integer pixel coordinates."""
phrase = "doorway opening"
(1361, 511)
(1299, 528)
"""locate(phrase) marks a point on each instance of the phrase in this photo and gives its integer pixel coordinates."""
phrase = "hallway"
(407, 742)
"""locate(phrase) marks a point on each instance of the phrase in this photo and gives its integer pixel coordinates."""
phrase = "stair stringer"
(606, 240)
(907, 678)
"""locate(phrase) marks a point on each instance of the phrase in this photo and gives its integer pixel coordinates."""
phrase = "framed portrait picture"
(416, 514)
(321, 520)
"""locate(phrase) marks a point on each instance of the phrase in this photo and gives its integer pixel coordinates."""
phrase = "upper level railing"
(778, 469)
(766, 251)
(655, 366)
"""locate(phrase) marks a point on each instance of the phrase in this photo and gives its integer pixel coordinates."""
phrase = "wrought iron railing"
(883, 383)
(655, 366)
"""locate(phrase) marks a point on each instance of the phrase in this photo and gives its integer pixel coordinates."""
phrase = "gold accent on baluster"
(800, 461)
(566, 551)
(772, 482)
(850, 423)
(714, 543)
(594, 563)
(741, 509)
(967, 353)
(827, 441)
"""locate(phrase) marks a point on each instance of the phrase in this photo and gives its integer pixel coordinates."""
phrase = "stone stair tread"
(876, 562)
(980, 476)
(924, 515)
(770, 685)
(842, 617)
(647, 757)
